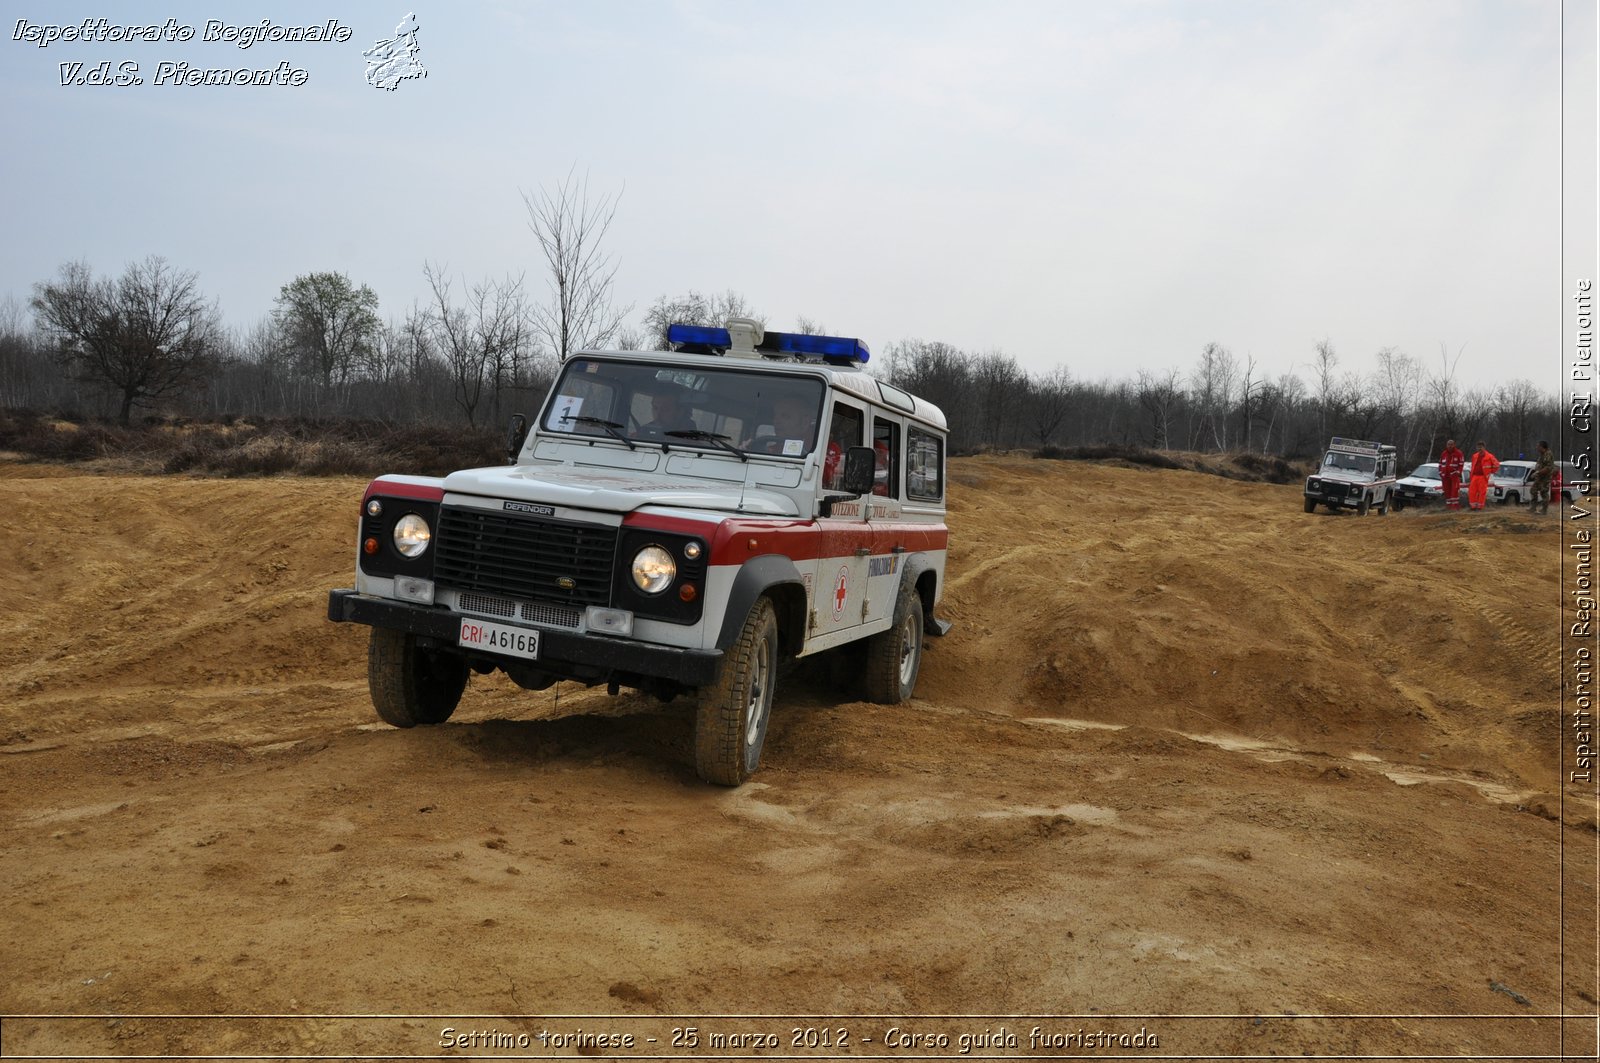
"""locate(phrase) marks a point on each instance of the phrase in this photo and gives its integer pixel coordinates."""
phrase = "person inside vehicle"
(667, 413)
(793, 418)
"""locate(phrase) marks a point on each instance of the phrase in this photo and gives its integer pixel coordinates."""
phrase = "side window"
(844, 432)
(886, 447)
(924, 466)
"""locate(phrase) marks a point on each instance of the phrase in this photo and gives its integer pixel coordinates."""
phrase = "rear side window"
(924, 466)
(886, 455)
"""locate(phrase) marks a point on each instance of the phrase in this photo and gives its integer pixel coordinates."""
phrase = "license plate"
(499, 638)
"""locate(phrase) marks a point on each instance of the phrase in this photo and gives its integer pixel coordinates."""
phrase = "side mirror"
(516, 437)
(859, 464)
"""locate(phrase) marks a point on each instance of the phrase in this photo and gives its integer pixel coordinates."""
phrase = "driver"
(668, 414)
(792, 418)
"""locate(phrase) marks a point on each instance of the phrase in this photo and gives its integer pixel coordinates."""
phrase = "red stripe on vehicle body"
(736, 540)
(397, 490)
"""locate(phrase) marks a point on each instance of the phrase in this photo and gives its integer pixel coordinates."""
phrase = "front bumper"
(1333, 497)
(566, 652)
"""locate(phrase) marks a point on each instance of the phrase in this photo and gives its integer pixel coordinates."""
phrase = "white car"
(679, 558)
(1424, 487)
(1513, 482)
(1355, 474)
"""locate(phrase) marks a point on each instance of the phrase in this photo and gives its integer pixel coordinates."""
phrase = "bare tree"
(1160, 398)
(1515, 406)
(146, 334)
(486, 341)
(570, 229)
(1051, 395)
(1285, 397)
(693, 308)
(1446, 398)
(1213, 389)
(328, 326)
(1330, 396)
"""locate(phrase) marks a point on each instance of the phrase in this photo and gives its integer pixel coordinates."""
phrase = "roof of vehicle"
(849, 378)
(1359, 446)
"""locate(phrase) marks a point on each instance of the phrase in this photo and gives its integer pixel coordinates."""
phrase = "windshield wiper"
(612, 427)
(714, 438)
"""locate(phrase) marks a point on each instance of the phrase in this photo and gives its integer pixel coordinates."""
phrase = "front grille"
(551, 615)
(519, 557)
(487, 604)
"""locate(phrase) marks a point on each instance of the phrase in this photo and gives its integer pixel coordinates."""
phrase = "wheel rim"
(755, 710)
(910, 647)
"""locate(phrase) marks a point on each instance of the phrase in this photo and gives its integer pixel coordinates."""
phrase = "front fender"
(775, 576)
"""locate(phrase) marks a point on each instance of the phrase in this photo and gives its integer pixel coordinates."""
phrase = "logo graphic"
(393, 61)
(841, 591)
(528, 507)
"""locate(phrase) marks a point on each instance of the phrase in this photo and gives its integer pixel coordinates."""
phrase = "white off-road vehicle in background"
(676, 522)
(1355, 474)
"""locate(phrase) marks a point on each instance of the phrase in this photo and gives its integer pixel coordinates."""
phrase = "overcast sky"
(1105, 185)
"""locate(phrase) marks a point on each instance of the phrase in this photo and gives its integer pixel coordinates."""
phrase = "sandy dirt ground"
(1192, 762)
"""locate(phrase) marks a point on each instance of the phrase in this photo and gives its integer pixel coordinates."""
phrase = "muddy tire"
(1363, 505)
(1383, 507)
(732, 714)
(1311, 505)
(895, 656)
(410, 685)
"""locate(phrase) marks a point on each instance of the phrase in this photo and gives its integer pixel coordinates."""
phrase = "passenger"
(1483, 466)
(1451, 461)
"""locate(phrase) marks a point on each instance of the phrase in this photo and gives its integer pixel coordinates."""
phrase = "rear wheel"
(895, 656)
(1383, 507)
(411, 685)
(731, 717)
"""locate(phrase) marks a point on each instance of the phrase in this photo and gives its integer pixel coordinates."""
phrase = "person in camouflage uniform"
(1544, 470)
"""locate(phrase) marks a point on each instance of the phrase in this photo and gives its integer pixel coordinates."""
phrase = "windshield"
(1513, 473)
(676, 406)
(1356, 463)
(1425, 472)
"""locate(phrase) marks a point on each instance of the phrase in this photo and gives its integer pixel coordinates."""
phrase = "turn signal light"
(687, 592)
(371, 545)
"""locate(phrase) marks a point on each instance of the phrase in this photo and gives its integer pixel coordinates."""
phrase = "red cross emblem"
(840, 591)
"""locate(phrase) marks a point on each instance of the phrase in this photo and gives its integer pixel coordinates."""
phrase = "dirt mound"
(1187, 750)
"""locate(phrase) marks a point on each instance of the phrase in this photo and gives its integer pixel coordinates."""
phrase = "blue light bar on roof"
(820, 346)
(701, 334)
(832, 348)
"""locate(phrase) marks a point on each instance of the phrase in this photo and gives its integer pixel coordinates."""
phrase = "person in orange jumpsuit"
(1451, 461)
(1483, 466)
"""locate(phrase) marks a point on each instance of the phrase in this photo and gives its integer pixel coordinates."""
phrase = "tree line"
(478, 350)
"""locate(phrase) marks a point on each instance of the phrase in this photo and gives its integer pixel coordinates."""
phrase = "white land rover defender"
(1355, 474)
(675, 522)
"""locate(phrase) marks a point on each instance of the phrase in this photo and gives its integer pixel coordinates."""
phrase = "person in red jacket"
(1450, 462)
(1483, 466)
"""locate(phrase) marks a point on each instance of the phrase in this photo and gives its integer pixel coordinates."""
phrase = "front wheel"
(411, 685)
(895, 656)
(1363, 505)
(1311, 505)
(731, 717)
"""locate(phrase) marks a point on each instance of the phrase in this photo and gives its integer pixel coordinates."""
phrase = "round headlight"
(412, 535)
(653, 570)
